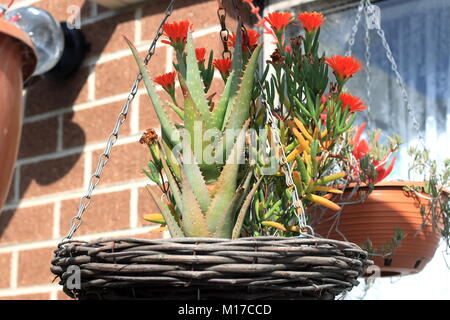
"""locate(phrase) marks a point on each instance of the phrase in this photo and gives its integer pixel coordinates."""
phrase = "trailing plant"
(434, 195)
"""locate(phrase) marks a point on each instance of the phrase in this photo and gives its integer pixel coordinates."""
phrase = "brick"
(38, 138)
(183, 10)
(58, 93)
(62, 296)
(125, 164)
(34, 296)
(5, 269)
(147, 205)
(105, 36)
(149, 235)
(117, 76)
(52, 176)
(147, 116)
(26, 224)
(34, 267)
(60, 9)
(108, 212)
(92, 125)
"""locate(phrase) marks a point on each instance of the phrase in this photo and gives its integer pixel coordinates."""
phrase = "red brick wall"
(65, 128)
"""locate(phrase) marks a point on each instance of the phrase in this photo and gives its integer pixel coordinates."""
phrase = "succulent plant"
(207, 196)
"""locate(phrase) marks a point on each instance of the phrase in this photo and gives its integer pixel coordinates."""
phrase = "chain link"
(224, 32)
(351, 41)
(368, 78)
(103, 159)
(401, 84)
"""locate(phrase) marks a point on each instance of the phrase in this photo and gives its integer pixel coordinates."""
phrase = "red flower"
(223, 65)
(167, 80)
(252, 37)
(354, 103)
(200, 54)
(311, 20)
(361, 149)
(383, 172)
(344, 67)
(279, 20)
(176, 32)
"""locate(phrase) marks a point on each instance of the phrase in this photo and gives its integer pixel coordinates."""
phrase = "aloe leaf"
(177, 109)
(218, 114)
(241, 106)
(195, 178)
(224, 190)
(167, 126)
(237, 66)
(193, 219)
(171, 160)
(240, 219)
(196, 127)
(172, 224)
(194, 81)
(173, 185)
(236, 202)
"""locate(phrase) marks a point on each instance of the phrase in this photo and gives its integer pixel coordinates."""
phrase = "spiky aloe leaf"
(224, 190)
(237, 66)
(196, 127)
(236, 202)
(173, 185)
(167, 126)
(194, 177)
(194, 81)
(172, 224)
(240, 219)
(193, 219)
(171, 160)
(241, 107)
(177, 109)
(218, 114)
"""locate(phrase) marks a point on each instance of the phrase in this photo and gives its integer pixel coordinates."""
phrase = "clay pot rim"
(29, 58)
(395, 184)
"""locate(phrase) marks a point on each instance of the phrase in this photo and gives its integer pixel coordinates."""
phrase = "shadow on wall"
(58, 97)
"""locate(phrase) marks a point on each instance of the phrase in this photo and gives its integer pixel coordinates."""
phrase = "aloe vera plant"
(207, 196)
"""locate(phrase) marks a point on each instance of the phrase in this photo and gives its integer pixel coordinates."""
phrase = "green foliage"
(434, 196)
(203, 198)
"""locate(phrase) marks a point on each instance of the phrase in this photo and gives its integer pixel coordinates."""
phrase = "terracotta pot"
(17, 62)
(386, 208)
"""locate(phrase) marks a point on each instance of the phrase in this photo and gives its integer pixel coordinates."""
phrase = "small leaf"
(172, 224)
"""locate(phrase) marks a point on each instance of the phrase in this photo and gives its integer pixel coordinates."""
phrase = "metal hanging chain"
(368, 78)
(368, 8)
(103, 159)
(351, 41)
(224, 32)
(285, 167)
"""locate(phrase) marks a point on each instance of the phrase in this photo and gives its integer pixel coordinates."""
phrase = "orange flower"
(167, 80)
(311, 20)
(279, 20)
(252, 37)
(176, 32)
(354, 103)
(344, 67)
(223, 65)
(200, 54)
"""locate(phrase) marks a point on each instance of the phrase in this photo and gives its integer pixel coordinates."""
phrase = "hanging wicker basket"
(209, 268)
